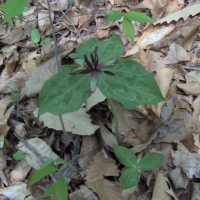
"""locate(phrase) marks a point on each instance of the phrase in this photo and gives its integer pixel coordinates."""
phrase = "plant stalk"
(119, 140)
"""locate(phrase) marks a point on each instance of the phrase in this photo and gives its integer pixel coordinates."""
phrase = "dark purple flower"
(93, 67)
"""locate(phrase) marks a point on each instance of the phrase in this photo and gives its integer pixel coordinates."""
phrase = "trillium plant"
(98, 65)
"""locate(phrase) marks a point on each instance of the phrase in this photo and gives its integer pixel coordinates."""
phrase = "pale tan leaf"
(77, 122)
(192, 76)
(163, 80)
(20, 130)
(18, 191)
(188, 162)
(105, 189)
(160, 187)
(94, 99)
(179, 179)
(192, 88)
(184, 13)
(14, 83)
(177, 53)
(20, 171)
(55, 5)
(3, 177)
(43, 20)
(4, 115)
(41, 147)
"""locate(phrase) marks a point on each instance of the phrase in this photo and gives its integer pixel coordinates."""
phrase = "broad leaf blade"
(64, 93)
(35, 36)
(151, 161)
(51, 190)
(47, 162)
(108, 50)
(125, 156)
(41, 174)
(132, 85)
(138, 17)
(61, 189)
(115, 15)
(129, 178)
(13, 8)
(128, 29)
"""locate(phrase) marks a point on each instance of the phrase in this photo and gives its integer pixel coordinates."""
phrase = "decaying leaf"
(77, 122)
(41, 147)
(188, 162)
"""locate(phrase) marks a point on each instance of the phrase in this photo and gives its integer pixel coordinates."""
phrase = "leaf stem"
(119, 140)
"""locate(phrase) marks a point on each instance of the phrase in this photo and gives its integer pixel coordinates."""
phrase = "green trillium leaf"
(115, 15)
(128, 29)
(129, 178)
(151, 161)
(138, 17)
(108, 50)
(64, 93)
(125, 156)
(132, 85)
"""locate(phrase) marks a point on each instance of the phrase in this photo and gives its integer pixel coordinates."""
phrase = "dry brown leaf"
(196, 191)
(2, 160)
(84, 193)
(188, 162)
(55, 5)
(20, 171)
(192, 88)
(43, 20)
(184, 13)
(177, 53)
(41, 147)
(179, 179)
(90, 147)
(143, 131)
(4, 116)
(127, 123)
(14, 83)
(160, 187)
(163, 80)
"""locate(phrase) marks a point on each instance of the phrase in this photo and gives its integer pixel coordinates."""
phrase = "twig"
(119, 140)
(34, 151)
(191, 68)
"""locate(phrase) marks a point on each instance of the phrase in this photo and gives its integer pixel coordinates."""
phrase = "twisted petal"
(105, 64)
(109, 73)
(93, 81)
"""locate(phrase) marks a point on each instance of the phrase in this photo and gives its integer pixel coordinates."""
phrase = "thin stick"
(119, 140)
(33, 151)
(191, 68)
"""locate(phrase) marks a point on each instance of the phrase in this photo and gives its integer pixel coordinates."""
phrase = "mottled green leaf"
(13, 8)
(151, 161)
(64, 93)
(132, 85)
(35, 36)
(61, 189)
(37, 176)
(128, 29)
(108, 50)
(19, 155)
(138, 17)
(125, 156)
(129, 178)
(115, 15)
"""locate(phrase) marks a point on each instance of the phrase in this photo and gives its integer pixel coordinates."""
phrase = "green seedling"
(35, 37)
(14, 8)
(19, 155)
(127, 19)
(126, 81)
(130, 177)
(60, 187)
(16, 97)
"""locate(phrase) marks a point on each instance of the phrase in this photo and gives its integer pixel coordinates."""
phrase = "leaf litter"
(169, 50)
